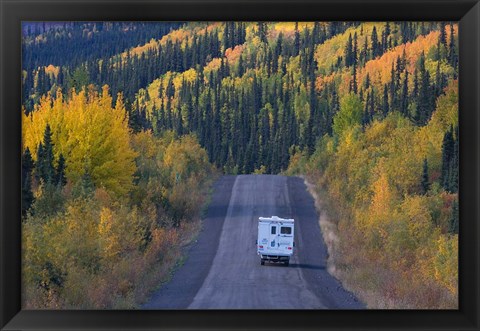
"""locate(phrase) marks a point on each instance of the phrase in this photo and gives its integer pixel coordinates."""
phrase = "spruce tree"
(354, 86)
(447, 156)
(425, 179)
(38, 168)
(415, 84)
(453, 223)
(262, 31)
(365, 115)
(27, 168)
(443, 34)
(60, 178)
(452, 53)
(366, 85)
(404, 97)
(296, 41)
(453, 176)
(364, 53)
(439, 81)
(371, 109)
(425, 101)
(385, 36)
(375, 43)
(240, 67)
(226, 40)
(85, 186)
(386, 106)
(349, 51)
(45, 169)
(393, 88)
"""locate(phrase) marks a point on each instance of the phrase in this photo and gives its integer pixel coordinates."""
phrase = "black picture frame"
(13, 12)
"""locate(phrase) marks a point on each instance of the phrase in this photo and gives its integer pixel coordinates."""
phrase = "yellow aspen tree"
(109, 241)
(92, 136)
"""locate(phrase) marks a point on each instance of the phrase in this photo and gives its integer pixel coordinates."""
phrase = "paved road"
(223, 271)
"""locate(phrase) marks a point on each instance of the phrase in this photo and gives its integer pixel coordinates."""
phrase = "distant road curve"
(223, 271)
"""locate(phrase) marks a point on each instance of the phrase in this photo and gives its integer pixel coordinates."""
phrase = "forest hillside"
(126, 125)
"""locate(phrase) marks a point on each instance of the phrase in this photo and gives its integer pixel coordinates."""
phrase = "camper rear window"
(285, 230)
(274, 230)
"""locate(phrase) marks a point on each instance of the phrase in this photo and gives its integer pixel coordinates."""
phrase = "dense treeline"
(70, 44)
(273, 75)
(369, 111)
(266, 93)
(105, 210)
(73, 45)
(388, 173)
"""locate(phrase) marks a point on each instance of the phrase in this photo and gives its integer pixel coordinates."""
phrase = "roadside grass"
(378, 285)
(188, 232)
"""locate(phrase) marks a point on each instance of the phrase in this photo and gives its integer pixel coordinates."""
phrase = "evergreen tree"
(375, 43)
(349, 51)
(333, 29)
(27, 168)
(365, 115)
(453, 176)
(262, 31)
(449, 174)
(386, 106)
(393, 89)
(38, 168)
(425, 179)
(296, 41)
(84, 187)
(226, 38)
(240, 67)
(385, 36)
(415, 84)
(447, 152)
(443, 35)
(364, 54)
(353, 84)
(453, 223)
(404, 97)
(452, 53)
(366, 85)
(309, 136)
(355, 50)
(135, 118)
(60, 178)
(439, 81)
(371, 109)
(425, 101)
(45, 169)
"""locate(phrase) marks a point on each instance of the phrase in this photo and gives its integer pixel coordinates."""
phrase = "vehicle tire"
(262, 262)
(287, 263)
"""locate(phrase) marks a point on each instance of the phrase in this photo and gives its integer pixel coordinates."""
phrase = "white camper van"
(275, 239)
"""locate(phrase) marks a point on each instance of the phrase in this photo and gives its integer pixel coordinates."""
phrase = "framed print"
(241, 165)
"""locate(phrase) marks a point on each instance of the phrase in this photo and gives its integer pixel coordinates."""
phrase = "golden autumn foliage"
(394, 239)
(288, 28)
(327, 53)
(157, 89)
(428, 139)
(378, 69)
(182, 35)
(92, 135)
(107, 247)
(52, 70)
(233, 55)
